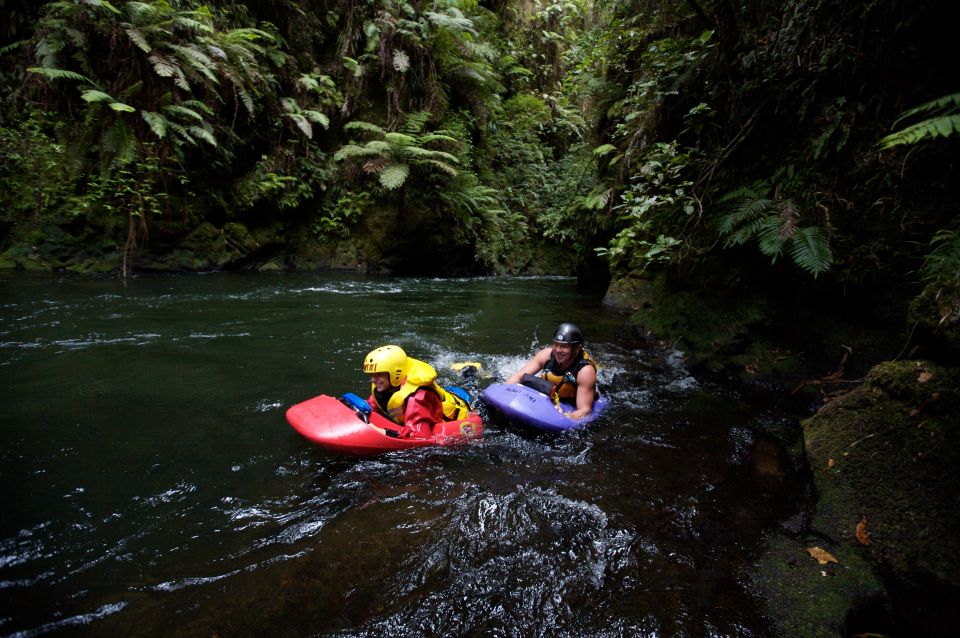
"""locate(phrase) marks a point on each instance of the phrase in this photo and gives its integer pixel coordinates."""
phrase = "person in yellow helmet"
(570, 370)
(405, 390)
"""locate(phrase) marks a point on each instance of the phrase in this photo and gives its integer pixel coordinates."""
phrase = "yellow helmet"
(389, 359)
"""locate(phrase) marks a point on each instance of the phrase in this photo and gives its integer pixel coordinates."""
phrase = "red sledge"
(343, 426)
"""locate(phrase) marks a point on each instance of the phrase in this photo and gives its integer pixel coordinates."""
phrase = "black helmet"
(568, 333)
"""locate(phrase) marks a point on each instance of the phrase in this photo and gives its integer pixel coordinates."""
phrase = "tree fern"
(399, 151)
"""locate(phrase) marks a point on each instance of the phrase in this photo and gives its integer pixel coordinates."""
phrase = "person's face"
(380, 381)
(564, 352)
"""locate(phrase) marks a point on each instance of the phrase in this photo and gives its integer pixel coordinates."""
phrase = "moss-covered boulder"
(884, 461)
(887, 454)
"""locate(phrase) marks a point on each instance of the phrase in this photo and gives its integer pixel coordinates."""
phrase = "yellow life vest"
(566, 382)
(422, 375)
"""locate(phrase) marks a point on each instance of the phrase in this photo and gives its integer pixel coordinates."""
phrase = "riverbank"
(873, 551)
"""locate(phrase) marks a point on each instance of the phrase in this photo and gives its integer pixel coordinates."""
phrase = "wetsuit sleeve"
(422, 411)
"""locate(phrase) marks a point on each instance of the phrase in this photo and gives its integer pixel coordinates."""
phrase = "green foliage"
(34, 172)
(654, 205)
(339, 215)
(773, 221)
(943, 120)
(392, 155)
(941, 273)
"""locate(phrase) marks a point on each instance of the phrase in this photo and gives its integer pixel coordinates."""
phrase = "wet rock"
(883, 459)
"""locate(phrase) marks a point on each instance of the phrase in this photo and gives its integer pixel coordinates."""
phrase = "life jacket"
(565, 382)
(421, 375)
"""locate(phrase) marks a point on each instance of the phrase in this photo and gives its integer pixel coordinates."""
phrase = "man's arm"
(533, 366)
(586, 392)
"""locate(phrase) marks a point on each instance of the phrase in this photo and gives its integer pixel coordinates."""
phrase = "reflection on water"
(150, 480)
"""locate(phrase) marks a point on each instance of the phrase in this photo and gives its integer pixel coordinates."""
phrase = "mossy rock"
(885, 457)
(805, 599)
(92, 266)
(714, 330)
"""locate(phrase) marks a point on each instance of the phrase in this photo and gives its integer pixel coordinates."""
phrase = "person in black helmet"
(566, 365)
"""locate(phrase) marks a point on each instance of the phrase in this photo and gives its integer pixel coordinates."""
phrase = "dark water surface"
(152, 487)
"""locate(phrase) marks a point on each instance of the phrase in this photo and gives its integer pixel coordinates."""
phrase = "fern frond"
(157, 123)
(289, 105)
(744, 192)
(944, 258)
(92, 95)
(182, 134)
(745, 232)
(942, 126)
(452, 19)
(446, 168)
(603, 149)
(810, 250)
(933, 106)
(60, 74)
(203, 134)
(415, 122)
(352, 151)
(401, 61)
(246, 99)
(394, 175)
(137, 37)
(400, 139)
(598, 198)
(192, 24)
(196, 59)
(121, 142)
(770, 237)
(142, 14)
(317, 118)
(363, 126)
(176, 109)
(438, 137)
(302, 123)
(161, 66)
(217, 52)
(197, 106)
(747, 212)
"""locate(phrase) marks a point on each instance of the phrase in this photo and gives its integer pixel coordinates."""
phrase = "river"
(151, 485)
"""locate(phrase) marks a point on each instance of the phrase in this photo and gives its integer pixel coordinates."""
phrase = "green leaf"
(60, 74)
(92, 95)
(120, 106)
(394, 175)
(302, 123)
(363, 126)
(158, 123)
(603, 149)
(810, 250)
(318, 118)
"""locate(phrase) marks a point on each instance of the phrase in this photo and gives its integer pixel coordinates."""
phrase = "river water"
(151, 485)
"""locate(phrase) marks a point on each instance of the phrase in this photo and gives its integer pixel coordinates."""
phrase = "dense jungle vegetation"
(808, 146)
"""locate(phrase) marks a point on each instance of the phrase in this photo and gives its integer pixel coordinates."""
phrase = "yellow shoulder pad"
(420, 373)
